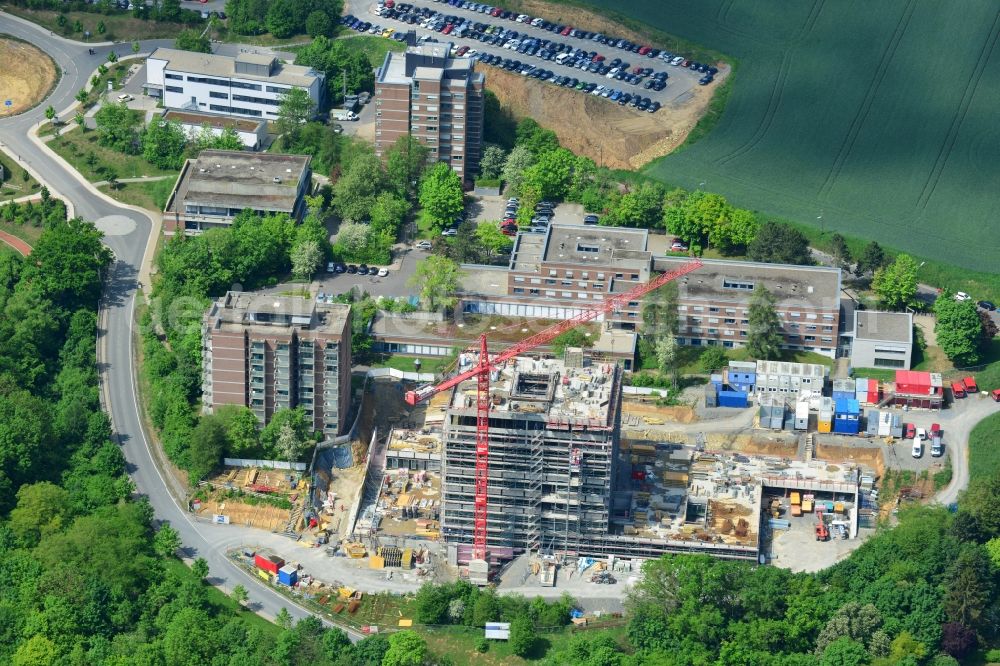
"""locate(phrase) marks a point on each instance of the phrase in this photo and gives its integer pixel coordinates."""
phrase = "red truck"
(958, 390)
(995, 395)
(970, 385)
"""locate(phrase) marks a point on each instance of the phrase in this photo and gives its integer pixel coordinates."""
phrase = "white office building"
(248, 85)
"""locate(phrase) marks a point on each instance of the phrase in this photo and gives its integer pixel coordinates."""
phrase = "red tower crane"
(482, 369)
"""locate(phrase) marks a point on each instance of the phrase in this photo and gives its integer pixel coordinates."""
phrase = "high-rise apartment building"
(436, 98)
(271, 352)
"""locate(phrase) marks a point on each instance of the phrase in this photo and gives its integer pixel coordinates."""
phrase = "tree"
(318, 24)
(441, 194)
(406, 648)
(840, 252)
(208, 441)
(518, 162)
(284, 18)
(117, 127)
(993, 550)
(551, 174)
(844, 652)
(163, 144)
(492, 239)
(283, 619)
(534, 137)
(242, 436)
(969, 586)
(387, 213)
(659, 311)
(192, 40)
(290, 446)
(872, 258)
(239, 595)
(112, 57)
(80, 120)
(438, 280)
(306, 258)
(988, 332)
(405, 162)
(200, 568)
(667, 359)
(81, 96)
(77, 26)
(355, 192)
(101, 28)
(491, 164)
(136, 47)
(896, 284)
(166, 541)
(295, 108)
(50, 112)
(712, 359)
(956, 639)
(246, 17)
(764, 328)
(522, 635)
(353, 236)
(36, 651)
(778, 243)
(42, 509)
(339, 61)
(68, 263)
(574, 337)
(640, 207)
(958, 328)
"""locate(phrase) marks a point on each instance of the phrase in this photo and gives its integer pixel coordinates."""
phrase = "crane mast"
(481, 371)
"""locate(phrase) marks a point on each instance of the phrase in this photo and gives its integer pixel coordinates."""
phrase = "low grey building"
(882, 340)
(216, 186)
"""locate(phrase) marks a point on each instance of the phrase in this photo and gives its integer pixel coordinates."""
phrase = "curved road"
(127, 233)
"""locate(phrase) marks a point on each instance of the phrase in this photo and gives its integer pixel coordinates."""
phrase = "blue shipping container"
(288, 575)
(732, 399)
(846, 426)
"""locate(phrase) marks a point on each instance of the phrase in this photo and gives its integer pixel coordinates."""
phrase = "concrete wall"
(869, 353)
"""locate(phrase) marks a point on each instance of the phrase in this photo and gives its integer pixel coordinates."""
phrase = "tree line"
(284, 18)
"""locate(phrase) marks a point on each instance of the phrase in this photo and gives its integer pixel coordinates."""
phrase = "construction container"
(807, 506)
(736, 399)
(824, 425)
(844, 389)
(958, 390)
(847, 416)
(885, 424)
(712, 395)
(777, 415)
(873, 417)
(802, 416)
(897, 426)
(795, 498)
(796, 510)
(716, 379)
(741, 376)
(269, 563)
(288, 575)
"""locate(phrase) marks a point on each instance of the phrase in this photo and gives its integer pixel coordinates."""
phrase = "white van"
(918, 447)
(342, 115)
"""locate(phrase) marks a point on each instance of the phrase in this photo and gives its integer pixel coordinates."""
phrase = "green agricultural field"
(879, 117)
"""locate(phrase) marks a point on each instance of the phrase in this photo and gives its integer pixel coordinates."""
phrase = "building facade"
(570, 268)
(253, 133)
(882, 340)
(247, 85)
(426, 93)
(217, 185)
(270, 352)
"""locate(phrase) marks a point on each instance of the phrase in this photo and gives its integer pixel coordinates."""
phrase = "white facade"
(243, 86)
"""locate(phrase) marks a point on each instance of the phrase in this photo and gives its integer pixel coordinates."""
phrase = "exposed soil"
(262, 516)
(27, 83)
(783, 446)
(613, 136)
(867, 456)
(677, 414)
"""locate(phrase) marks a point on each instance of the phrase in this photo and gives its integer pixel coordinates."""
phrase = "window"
(889, 362)
(713, 309)
(635, 276)
(518, 278)
(174, 77)
(256, 100)
(175, 89)
(549, 292)
(245, 86)
(580, 247)
(567, 294)
(582, 294)
(277, 89)
(518, 290)
(550, 282)
(730, 321)
(737, 284)
(218, 95)
(209, 81)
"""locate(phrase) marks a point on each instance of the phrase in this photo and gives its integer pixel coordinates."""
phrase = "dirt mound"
(869, 457)
(30, 81)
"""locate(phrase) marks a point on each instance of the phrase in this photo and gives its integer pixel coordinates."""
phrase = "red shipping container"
(268, 562)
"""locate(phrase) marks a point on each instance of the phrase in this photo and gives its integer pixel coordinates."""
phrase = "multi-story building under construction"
(553, 447)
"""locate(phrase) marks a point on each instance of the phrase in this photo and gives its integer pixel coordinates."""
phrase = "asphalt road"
(127, 232)
(680, 83)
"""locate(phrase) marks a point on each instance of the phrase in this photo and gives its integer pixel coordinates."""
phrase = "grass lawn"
(150, 195)
(223, 34)
(881, 374)
(984, 448)
(222, 602)
(119, 27)
(405, 363)
(988, 378)
(374, 46)
(77, 146)
(14, 184)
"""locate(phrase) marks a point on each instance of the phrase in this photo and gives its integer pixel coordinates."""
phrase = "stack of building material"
(844, 389)
(873, 417)
(824, 422)
(847, 416)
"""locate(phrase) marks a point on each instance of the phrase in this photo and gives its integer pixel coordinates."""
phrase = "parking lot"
(679, 84)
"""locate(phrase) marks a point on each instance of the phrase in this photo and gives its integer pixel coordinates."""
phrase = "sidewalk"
(19, 245)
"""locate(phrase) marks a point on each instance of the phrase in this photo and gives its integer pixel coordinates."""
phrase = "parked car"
(424, 245)
(591, 219)
(918, 448)
(330, 267)
(363, 269)
(450, 232)
(677, 245)
(921, 435)
(962, 296)
(989, 306)
(352, 269)
(383, 272)
(909, 431)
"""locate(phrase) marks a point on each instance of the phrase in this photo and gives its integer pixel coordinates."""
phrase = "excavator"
(822, 532)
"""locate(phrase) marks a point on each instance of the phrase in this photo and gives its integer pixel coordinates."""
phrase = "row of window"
(235, 110)
(256, 100)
